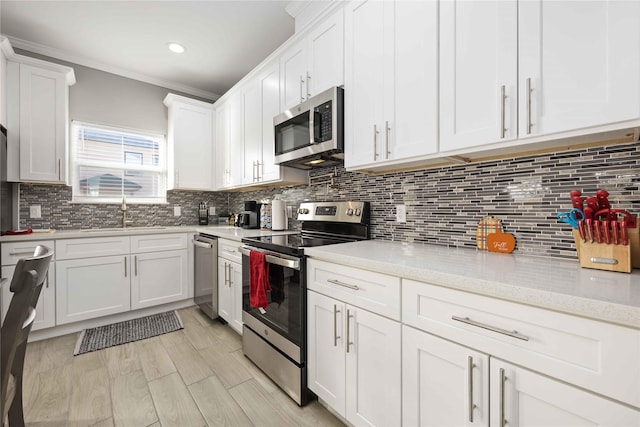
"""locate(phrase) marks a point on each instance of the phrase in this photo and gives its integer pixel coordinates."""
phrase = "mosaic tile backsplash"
(443, 204)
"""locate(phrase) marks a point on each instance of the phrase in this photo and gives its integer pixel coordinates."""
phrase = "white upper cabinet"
(190, 144)
(221, 143)
(228, 142)
(314, 63)
(37, 120)
(391, 81)
(579, 64)
(270, 97)
(251, 107)
(478, 72)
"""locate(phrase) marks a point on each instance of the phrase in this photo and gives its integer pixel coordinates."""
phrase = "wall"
(443, 205)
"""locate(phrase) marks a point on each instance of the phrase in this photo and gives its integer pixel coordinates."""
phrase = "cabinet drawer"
(158, 242)
(228, 249)
(376, 292)
(92, 247)
(13, 251)
(595, 355)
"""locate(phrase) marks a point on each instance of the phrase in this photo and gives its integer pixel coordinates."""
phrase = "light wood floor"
(194, 377)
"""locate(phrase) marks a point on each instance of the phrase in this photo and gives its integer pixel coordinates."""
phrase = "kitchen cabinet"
(478, 72)
(314, 63)
(443, 383)
(230, 283)
(578, 64)
(190, 144)
(221, 142)
(353, 354)
(37, 120)
(46, 307)
(391, 78)
(107, 275)
(228, 143)
(521, 397)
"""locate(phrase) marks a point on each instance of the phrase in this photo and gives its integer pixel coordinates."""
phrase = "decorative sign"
(501, 242)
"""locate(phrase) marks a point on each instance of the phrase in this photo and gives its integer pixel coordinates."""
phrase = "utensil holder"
(602, 256)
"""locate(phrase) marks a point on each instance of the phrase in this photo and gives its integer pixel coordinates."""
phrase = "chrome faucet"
(123, 208)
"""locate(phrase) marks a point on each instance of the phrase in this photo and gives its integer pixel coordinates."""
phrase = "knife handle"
(589, 224)
(592, 202)
(588, 213)
(597, 231)
(577, 202)
(624, 235)
(603, 201)
(581, 230)
(614, 232)
(607, 231)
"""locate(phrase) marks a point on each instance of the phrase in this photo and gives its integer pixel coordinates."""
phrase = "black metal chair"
(26, 284)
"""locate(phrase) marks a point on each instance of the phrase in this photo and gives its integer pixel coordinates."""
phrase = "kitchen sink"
(96, 230)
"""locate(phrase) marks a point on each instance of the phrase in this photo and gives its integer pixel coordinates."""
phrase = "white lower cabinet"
(230, 283)
(92, 287)
(159, 277)
(443, 383)
(354, 361)
(46, 307)
(520, 397)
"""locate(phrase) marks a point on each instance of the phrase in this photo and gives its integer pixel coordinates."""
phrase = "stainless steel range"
(274, 337)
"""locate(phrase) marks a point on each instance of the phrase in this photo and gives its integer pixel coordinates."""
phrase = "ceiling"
(224, 40)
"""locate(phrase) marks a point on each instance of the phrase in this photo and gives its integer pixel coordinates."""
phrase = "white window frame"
(75, 163)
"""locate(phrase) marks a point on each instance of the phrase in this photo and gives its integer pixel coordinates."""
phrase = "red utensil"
(597, 230)
(589, 225)
(603, 201)
(630, 220)
(576, 199)
(614, 232)
(592, 202)
(588, 213)
(624, 235)
(581, 230)
(603, 214)
(607, 231)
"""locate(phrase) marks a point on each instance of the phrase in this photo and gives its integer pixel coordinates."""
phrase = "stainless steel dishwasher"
(206, 274)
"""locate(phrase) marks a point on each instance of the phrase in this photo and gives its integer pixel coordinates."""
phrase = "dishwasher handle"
(200, 244)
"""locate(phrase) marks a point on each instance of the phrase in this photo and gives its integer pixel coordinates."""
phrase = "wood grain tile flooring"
(194, 377)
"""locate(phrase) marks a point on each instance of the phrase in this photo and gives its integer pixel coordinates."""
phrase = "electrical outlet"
(212, 210)
(177, 211)
(401, 213)
(290, 211)
(35, 212)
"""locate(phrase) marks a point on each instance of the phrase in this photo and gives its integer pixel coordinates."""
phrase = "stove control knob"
(304, 211)
(299, 210)
(349, 212)
(357, 212)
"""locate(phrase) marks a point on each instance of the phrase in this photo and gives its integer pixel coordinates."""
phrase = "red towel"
(258, 280)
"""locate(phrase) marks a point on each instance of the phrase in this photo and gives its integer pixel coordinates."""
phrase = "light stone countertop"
(222, 231)
(556, 284)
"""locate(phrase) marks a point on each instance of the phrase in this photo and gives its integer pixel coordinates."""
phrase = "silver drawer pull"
(346, 285)
(513, 334)
(23, 252)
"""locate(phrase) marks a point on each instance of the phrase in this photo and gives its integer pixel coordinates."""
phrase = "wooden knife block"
(626, 256)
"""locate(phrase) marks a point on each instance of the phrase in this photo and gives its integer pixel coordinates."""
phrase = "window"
(109, 163)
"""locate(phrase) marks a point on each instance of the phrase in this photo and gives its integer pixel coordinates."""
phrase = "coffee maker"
(250, 217)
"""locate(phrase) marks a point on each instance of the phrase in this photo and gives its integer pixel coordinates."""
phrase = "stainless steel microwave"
(311, 134)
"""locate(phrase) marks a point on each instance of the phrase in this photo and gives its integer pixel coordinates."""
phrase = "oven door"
(286, 311)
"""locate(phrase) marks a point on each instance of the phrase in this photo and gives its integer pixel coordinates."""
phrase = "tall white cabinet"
(37, 120)
(190, 144)
(391, 81)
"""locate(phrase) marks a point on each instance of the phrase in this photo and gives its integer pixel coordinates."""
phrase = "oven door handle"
(277, 260)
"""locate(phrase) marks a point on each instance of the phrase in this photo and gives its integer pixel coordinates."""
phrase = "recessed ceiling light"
(176, 47)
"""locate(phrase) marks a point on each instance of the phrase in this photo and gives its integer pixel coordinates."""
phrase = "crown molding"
(5, 47)
(66, 56)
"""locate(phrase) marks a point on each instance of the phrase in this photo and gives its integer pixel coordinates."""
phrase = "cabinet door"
(326, 350)
(191, 146)
(158, 278)
(365, 28)
(235, 276)
(478, 61)
(579, 64)
(221, 143)
(252, 131)
(373, 347)
(225, 295)
(443, 384)
(270, 91)
(46, 307)
(521, 397)
(234, 145)
(411, 116)
(325, 55)
(293, 66)
(92, 287)
(43, 125)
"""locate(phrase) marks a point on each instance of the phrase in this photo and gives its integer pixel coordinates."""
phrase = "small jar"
(265, 216)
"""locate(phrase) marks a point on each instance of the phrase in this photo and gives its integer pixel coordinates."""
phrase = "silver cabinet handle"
(258, 164)
(47, 280)
(470, 367)
(346, 285)
(503, 98)
(503, 378)
(349, 342)
(230, 275)
(135, 263)
(301, 93)
(226, 274)
(513, 334)
(125, 266)
(308, 78)
(335, 325)
(23, 252)
(529, 124)
(386, 138)
(59, 170)
(375, 142)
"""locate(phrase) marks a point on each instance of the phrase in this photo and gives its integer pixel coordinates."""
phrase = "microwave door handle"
(312, 127)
